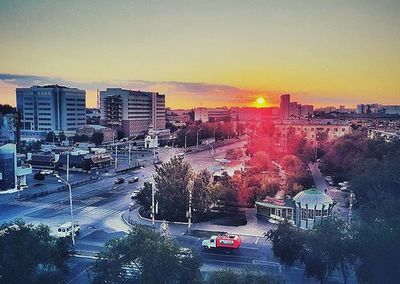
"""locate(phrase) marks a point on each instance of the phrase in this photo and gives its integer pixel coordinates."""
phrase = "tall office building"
(51, 107)
(285, 105)
(133, 112)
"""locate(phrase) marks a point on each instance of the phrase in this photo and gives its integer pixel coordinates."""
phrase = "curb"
(181, 223)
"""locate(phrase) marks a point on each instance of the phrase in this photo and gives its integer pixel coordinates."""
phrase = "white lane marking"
(256, 242)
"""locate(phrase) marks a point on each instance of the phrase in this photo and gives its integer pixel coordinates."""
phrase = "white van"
(65, 230)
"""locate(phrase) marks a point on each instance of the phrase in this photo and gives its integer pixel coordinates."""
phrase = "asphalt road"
(98, 208)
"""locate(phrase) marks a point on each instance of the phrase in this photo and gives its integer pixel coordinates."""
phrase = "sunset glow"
(322, 52)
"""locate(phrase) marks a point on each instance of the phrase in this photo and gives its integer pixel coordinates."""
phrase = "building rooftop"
(313, 197)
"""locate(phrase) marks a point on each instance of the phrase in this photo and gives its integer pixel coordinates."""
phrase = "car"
(135, 194)
(158, 162)
(65, 230)
(46, 172)
(119, 180)
(133, 180)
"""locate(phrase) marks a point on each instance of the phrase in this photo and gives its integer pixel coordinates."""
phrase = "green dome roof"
(313, 197)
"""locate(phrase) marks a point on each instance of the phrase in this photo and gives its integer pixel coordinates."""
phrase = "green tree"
(61, 136)
(144, 256)
(29, 254)
(172, 183)
(97, 138)
(287, 242)
(51, 136)
(144, 196)
(120, 134)
(201, 196)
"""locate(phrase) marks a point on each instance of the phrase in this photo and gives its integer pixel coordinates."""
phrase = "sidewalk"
(253, 228)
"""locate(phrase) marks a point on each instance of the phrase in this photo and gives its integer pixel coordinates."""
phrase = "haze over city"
(206, 53)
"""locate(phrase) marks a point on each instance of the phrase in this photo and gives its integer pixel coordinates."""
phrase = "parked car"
(133, 180)
(135, 194)
(119, 180)
(46, 172)
(158, 162)
(65, 230)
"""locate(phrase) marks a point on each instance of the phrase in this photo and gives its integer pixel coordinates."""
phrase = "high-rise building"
(285, 105)
(133, 112)
(51, 107)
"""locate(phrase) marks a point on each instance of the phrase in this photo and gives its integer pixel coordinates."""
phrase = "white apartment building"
(133, 112)
(312, 130)
(211, 114)
(51, 107)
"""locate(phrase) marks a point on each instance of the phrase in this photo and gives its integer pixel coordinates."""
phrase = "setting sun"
(260, 102)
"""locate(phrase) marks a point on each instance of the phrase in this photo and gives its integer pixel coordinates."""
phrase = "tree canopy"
(28, 254)
(144, 256)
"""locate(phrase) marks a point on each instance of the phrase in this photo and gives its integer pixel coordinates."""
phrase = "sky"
(206, 53)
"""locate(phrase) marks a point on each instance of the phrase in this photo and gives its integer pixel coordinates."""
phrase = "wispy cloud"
(192, 92)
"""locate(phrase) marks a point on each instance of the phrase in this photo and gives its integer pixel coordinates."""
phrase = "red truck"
(227, 243)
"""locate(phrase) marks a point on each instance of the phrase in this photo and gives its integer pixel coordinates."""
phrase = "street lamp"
(61, 180)
(197, 144)
(186, 137)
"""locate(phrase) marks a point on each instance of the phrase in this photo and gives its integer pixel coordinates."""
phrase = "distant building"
(93, 116)
(368, 108)
(394, 109)
(313, 130)
(89, 130)
(294, 109)
(7, 128)
(285, 105)
(133, 112)
(307, 110)
(13, 171)
(212, 114)
(52, 107)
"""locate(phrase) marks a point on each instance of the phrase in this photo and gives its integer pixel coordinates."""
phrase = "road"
(98, 208)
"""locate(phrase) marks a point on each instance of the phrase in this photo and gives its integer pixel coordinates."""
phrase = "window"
(318, 213)
(310, 213)
(343, 129)
(324, 213)
(303, 214)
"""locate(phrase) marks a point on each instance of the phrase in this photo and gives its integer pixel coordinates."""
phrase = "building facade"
(12, 171)
(133, 112)
(312, 130)
(285, 105)
(211, 114)
(305, 210)
(51, 107)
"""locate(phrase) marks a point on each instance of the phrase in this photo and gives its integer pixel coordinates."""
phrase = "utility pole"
(67, 166)
(197, 143)
(154, 205)
(61, 180)
(129, 154)
(185, 138)
(189, 213)
(116, 156)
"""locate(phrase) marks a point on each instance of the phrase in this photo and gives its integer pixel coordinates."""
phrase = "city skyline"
(201, 54)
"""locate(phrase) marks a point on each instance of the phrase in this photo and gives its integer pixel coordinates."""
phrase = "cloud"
(192, 93)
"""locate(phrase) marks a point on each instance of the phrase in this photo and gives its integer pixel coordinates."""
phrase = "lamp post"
(197, 143)
(67, 165)
(186, 137)
(61, 180)
(189, 212)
